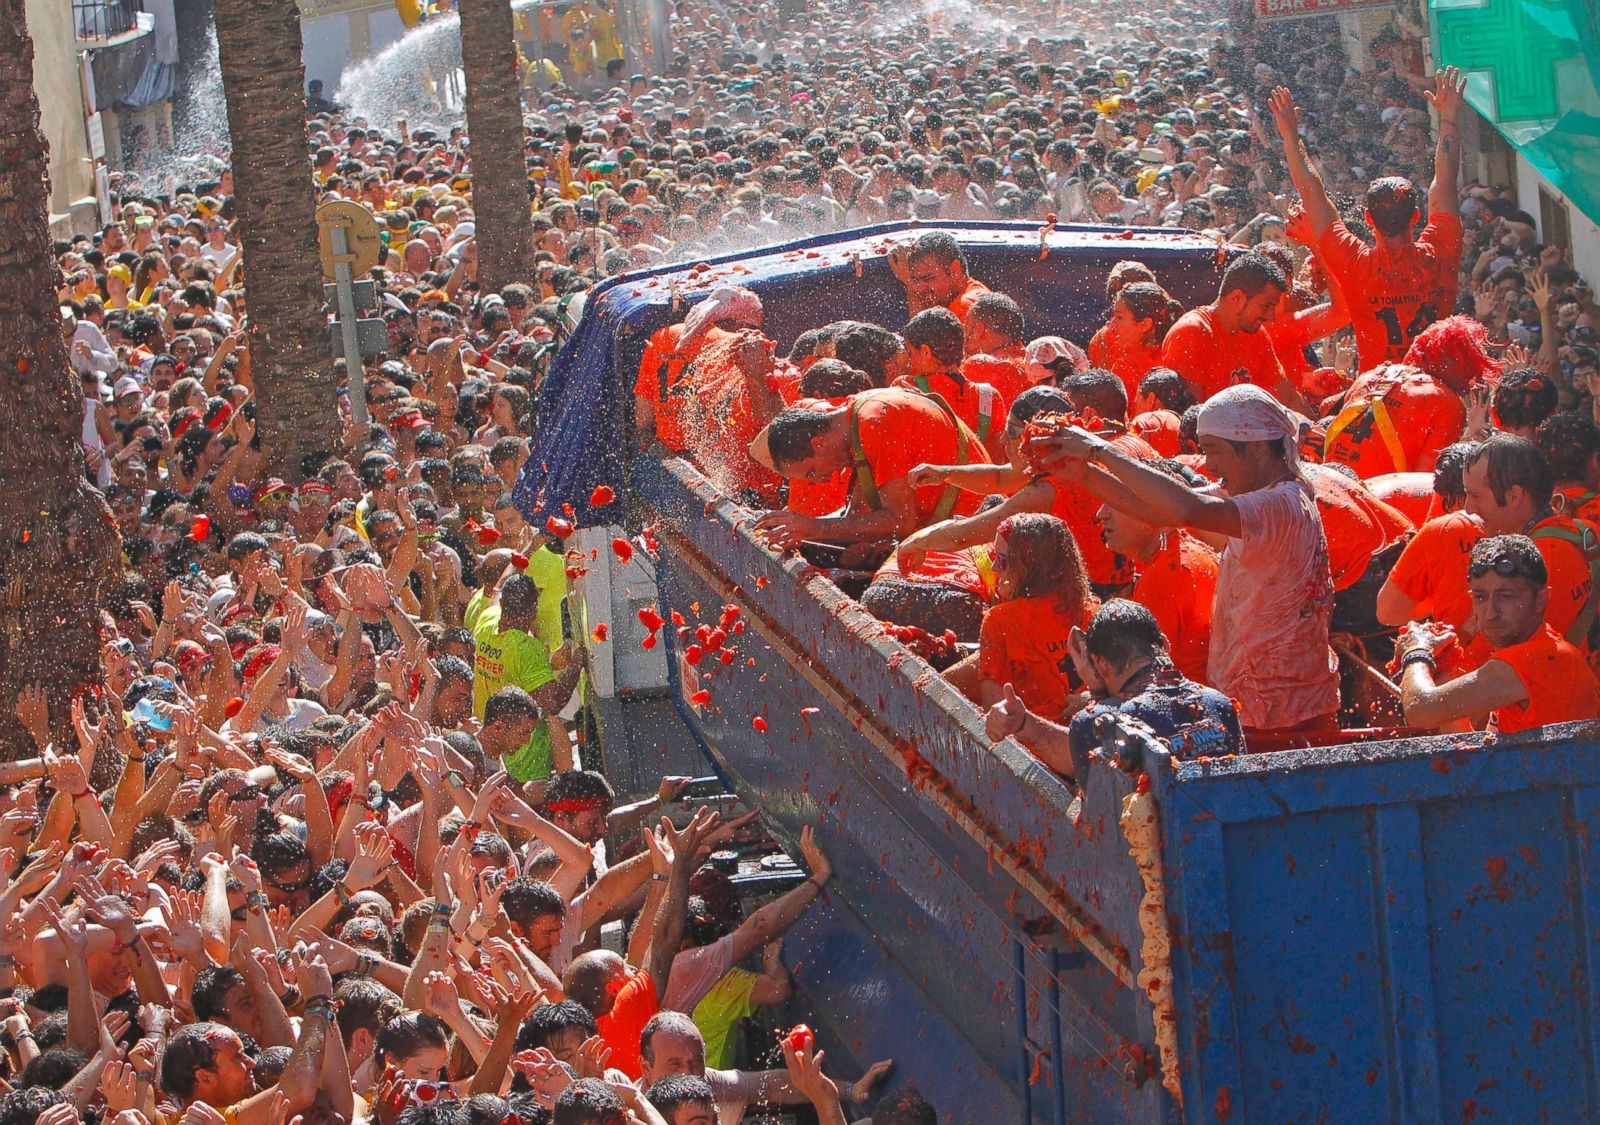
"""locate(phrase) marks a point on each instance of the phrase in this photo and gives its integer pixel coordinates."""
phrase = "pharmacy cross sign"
(1519, 42)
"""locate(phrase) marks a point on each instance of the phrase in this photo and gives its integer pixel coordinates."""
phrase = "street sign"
(372, 336)
(363, 294)
(363, 246)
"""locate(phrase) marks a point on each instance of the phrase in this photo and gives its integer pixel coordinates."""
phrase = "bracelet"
(453, 776)
(79, 796)
(1418, 656)
(341, 894)
(365, 963)
(291, 996)
(256, 900)
(319, 999)
(443, 908)
(145, 1076)
(661, 878)
(326, 1010)
(21, 1035)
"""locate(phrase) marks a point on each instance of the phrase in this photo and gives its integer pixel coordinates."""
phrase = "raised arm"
(1130, 485)
(1313, 194)
(1446, 98)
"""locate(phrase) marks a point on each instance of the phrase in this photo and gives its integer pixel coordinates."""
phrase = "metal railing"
(101, 19)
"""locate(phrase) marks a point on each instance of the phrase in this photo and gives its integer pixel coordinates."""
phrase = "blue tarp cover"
(585, 409)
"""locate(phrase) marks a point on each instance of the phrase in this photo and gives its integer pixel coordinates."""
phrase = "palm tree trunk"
(58, 545)
(500, 201)
(258, 45)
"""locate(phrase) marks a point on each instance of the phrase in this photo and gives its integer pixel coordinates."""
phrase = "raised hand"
(440, 997)
(374, 856)
(1285, 115)
(1447, 93)
(593, 1055)
(33, 710)
(821, 869)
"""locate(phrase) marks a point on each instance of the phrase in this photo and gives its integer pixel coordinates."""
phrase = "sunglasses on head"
(1504, 565)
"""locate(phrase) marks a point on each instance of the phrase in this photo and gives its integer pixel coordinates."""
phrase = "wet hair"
(408, 1034)
(53, 1068)
(364, 1003)
(525, 899)
(582, 784)
(190, 1049)
(939, 330)
(1393, 202)
(939, 245)
(211, 987)
(1033, 402)
(675, 1090)
(866, 347)
(1519, 549)
(1044, 557)
(1449, 472)
(1455, 351)
(519, 596)
(23, 1106)
(1148, 301)
(547, 1021)
(1123, 631)
(269, 1066)
(1099, 389)
(1168, 388)
(833, 378)
(1524, 397)
(1001, 313)
(673, 1023)
(510, 703)
(1570, 442)
(1250, 274)
(790, 434)
(279, 852)
(589, 1101)
(1125, 273)
(1515, 462)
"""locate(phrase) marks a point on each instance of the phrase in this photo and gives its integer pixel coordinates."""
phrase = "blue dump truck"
(1389, 931)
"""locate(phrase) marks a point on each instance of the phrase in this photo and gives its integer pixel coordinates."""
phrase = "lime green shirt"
(509, 658)
(719, 1014)
(548, 569)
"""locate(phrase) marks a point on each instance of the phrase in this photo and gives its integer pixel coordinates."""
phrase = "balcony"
(97, 21)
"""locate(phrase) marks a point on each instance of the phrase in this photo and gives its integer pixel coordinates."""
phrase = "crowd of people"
(325, 848)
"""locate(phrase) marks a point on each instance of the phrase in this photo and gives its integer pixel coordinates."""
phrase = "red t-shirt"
(900, 430)
(1432, 569)
(1561, 687)
(979, 405)
(1003, 373)
(1178, 584)
(1024, 643)
(962, 304)
(1410, 493)
(1358, 525)
(1211, 359)
(1128, 364)
(1392, 295)
(620, 1027)
(1396, 419)
(1159, 429)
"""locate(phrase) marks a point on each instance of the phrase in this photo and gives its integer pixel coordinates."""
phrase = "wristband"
(256, 900)
(454, 777)
(365, 963)
(443, 909)
(661, 878)
(80, 796)
(145, 1076)
(319, 999)
(21, 1035)
(290, 997)
(1418, 656)
(325, 1009)
(341, 894)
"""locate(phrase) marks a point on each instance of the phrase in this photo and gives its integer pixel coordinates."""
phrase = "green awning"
(1533, 71)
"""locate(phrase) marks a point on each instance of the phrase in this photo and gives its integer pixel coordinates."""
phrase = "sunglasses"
(1503, 565)
(289, 888)
(277, 495)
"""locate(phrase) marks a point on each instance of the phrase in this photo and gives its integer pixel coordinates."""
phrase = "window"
(1555, 224)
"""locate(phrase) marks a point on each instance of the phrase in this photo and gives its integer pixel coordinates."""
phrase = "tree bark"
(58, 544)
(258, 46)
(501, 204)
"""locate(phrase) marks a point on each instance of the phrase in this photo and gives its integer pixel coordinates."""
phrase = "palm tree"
(58, 546)
(500, 200)
(263, 80)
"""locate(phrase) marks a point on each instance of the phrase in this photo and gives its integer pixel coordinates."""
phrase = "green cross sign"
(1519, 42)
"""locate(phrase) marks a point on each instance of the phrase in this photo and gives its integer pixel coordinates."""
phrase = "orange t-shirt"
(1024, 643)
(825, 498)
(620, 1027)
(1358, 525)
(962, 305)
(1432, 569)
(1392, 295)
(1561, 687)
(1197, 348)
(1423, 417)
(1076, 506)
(1568, 565)
(1410, 493)
(980, 406)
(1159, 429)
(1003, 373)
(1128, 364)
(1178, 585)
(658, 373)
(900, 430)
(720, 420)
